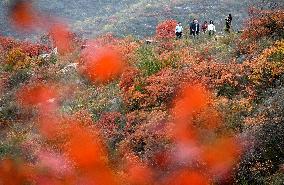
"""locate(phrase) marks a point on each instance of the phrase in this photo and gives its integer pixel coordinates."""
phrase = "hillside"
(124, 111)
(133, 17)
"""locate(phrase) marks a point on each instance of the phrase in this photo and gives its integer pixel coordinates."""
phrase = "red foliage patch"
(166, 29)
(109, 125)
(29, 48)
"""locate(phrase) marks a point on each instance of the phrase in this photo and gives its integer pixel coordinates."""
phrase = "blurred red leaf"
(62, 38)
(13, 173)
(188, 178)
(49, 126)
(36, 94)
(137, 173)
(102, 64)
(23, 15)
(192, 99)
(221, 155)
(85, 149)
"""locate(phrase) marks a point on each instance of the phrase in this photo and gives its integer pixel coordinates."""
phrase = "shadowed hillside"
(138, 18)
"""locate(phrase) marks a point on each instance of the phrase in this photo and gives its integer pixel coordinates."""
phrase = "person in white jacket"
(179, 30)
(211, 28)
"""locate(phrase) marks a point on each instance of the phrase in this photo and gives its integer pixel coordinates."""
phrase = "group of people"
(194, 27)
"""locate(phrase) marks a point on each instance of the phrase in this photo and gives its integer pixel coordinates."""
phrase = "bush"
(148, 62)
(227, 90)
(166, 29)
(265, 158)
(17, 59)
(18, 78)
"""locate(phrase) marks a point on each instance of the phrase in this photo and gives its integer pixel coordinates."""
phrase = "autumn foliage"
(166, 113)
(264, 23)
(261, 24)
(166, 29)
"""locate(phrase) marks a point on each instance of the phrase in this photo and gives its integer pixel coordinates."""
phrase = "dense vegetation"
(123, 111)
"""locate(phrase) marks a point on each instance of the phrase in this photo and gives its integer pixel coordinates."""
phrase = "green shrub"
(227, 90)
(148, 63)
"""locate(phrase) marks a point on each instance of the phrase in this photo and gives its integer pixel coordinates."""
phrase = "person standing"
(228, 24)
(211, 28)
(194, 28)
(204, 27)
(230, 18)
(178, 31)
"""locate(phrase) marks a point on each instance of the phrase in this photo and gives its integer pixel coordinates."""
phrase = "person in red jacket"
(204, 27)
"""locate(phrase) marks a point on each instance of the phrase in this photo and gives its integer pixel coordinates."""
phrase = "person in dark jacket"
(230, 18)
(194, 28)
(228, 24)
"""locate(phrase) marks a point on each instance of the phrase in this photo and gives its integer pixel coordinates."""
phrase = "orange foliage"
(157, 90)
(261, 24)
(28, 48)
(17, 59)
(264, 23)
(265, 68)
(127, 48)
(128, 78)
(208, 118)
